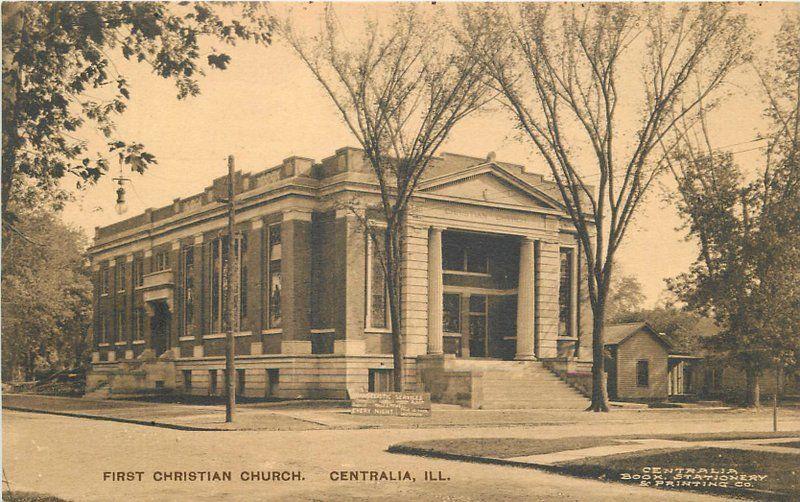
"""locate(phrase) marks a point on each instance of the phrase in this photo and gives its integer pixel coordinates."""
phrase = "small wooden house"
(642, 365)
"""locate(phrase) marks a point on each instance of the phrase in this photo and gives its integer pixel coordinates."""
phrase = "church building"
(495, 312)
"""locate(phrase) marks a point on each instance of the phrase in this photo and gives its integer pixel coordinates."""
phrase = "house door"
(160, 328)
(478, 326)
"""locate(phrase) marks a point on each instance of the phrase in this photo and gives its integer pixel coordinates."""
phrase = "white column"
(435, 290)
(525, 301)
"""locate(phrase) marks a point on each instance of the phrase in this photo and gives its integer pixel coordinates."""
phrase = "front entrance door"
(160, 327)
(478, 326)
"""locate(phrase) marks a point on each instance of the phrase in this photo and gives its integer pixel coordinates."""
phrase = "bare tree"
(565, 71)
(400, 92)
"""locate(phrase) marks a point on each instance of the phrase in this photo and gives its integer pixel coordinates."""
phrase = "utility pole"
(230, 347)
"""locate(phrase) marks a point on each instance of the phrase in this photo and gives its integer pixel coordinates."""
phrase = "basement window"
(380, 380)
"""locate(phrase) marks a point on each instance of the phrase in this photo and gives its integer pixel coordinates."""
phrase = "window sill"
(567, 338)
(103, 295)
(104, 344)
(215, 336)
(120, 343)
(185, 338)
(138, 342)
(272, 331)
(452, 335)
(464, 272)
(377, 331)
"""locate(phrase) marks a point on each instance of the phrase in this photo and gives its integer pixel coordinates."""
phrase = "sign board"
(396, 404)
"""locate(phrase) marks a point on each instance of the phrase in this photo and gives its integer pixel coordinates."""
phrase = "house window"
(104, 280)
(187, 380)
(160, 261)
(212, 382)
(565, 306)
(119, 277)
(451, 313)
(273, 277)
(120, 325)
(380, 380)
(219, 282)
(138, 326)
(471, 257)
(188, 290)
(378, 293)
(138, 272)
(642, 373)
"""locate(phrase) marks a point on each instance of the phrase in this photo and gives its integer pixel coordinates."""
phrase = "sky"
(267, 106)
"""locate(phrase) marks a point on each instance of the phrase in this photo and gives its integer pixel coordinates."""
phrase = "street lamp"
(121, 206)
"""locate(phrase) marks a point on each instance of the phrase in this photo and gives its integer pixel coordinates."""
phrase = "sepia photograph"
(444, 251)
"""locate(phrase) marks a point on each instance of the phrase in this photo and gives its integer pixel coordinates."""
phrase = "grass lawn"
(520, 447)
(503, 447)
(782, 470)
(29, 497)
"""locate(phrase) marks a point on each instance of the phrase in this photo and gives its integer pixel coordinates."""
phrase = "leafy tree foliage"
(47, 295)
(748, 269)
(624, 297)
(60, 80)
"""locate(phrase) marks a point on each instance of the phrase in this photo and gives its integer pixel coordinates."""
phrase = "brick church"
(494, 305)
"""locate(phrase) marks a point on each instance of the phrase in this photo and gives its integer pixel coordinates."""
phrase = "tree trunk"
(753, 388)
(392, 239)
(599, 392)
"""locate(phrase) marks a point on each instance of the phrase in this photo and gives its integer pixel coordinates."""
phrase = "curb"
(133, 421)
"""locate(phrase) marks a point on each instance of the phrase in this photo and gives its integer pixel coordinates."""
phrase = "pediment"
(489, 187)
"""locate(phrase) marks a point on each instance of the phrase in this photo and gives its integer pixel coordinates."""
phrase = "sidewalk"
(171, 416)
(323, 415)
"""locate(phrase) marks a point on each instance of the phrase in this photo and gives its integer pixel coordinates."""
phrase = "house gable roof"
(489, 182)
(617, 334)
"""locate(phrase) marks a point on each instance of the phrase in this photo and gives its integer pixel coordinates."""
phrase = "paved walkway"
(635, 445)
(629, 446)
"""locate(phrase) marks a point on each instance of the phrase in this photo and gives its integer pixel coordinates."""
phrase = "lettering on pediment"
(487, 188)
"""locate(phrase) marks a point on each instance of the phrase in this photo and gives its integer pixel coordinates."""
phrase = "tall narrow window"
(565, 306)
(377, 284)
(219, 282)
(104, 280)
(188, 290)
(120, 326)
(139, 319)
(119, 277)
(138, 272)
(102, 336)
(273, 277)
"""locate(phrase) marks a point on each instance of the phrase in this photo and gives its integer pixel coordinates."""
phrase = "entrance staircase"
(495, 384)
